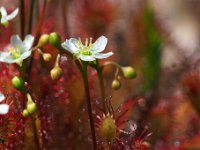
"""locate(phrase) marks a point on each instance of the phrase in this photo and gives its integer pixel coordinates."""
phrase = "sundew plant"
(99, 75)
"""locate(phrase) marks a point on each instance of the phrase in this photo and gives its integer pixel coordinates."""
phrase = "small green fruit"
(18, 83)
(31, 108)
(54, 39)
(44, 40)
(56, 72)
(25, 113)
(116, 84)
(47, 57)
(129, 72)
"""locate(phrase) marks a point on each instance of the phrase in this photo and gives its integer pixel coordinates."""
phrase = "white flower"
(3, 107)
(18, 51)
(88, 52)
(5, 17)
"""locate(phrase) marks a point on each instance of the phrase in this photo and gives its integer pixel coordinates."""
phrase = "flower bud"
(47, 57)
(25, 113)
(116, 84)
(31, 105)
(44, 40)
(18, 83)
(54, 39)
(56, 72)
(31, 108)
(108, 129)
(129, 72)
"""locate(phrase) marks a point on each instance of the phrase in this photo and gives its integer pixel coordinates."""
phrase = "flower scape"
(99, 75)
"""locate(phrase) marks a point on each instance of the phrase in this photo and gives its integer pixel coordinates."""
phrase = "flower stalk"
(89, 107)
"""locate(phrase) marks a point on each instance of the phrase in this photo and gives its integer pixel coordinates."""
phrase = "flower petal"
(28, 42)
(4, 109)
(24, 56)
(86, 58)
(16, 41)
(3, 11)
(72, 45)
(2, 97)
(6, 57)
(101, 56)
(13, 14)
(100, 44)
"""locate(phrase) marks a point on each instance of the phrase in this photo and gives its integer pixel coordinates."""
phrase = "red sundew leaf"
(126, 108)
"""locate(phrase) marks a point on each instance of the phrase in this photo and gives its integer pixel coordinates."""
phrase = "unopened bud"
(56, 72)
(31, 105)
(116, 84)
(55, 39)
(32, 108)
(47, 57)
(25, 113)
(44, 40)
(129, 72)
(18, 83)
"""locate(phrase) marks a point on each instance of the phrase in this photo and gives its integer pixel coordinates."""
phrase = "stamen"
(86, 42)
(90, 44)
(79, 43)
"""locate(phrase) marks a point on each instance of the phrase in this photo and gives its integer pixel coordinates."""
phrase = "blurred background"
(159, 38)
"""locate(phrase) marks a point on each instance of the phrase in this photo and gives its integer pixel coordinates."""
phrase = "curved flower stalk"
(3, 107)
(5, 17)
(18, 50)
(88, 52)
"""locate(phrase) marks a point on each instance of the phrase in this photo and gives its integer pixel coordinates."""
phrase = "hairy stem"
(87, 92)
(102, 88)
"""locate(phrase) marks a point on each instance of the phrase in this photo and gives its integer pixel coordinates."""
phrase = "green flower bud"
(54, 39)
(25, 113)
(129, 72)
(116, 84)
(47, 57)
(18, 83)
(31, 108)
(44, 40)
(31, 105)
(56, 72)
(108, 129)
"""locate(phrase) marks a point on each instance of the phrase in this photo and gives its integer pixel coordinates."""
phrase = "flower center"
(15, 52)
(85, 49)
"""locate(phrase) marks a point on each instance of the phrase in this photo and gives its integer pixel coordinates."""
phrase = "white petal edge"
(13, 14)
(6, 57)
(2, 97)
(86, 58)
(102, 56)
(68, 48)
(4, 109)
(100, 44)
(28, 41)
(16, 41)
(3, 11)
